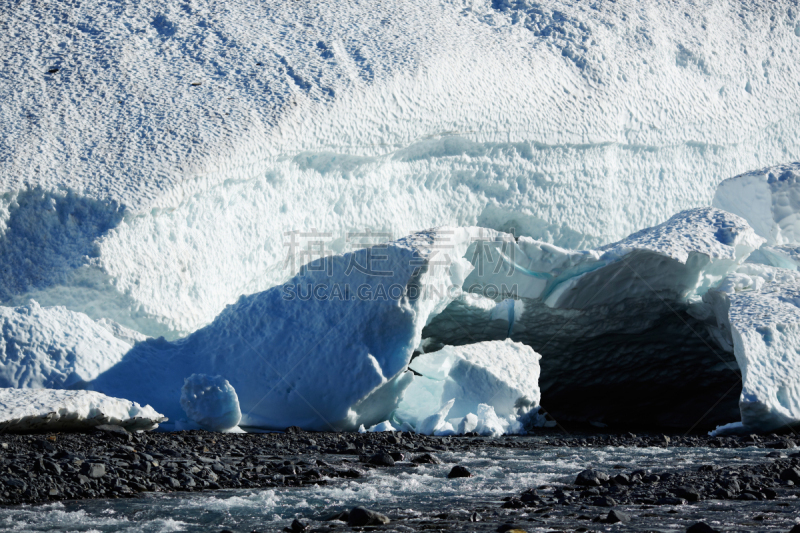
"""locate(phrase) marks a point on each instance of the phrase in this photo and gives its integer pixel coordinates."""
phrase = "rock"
(622, 479)
(111, 429)
(531, 497)
(342, 516)
(288, 470)
(513, 503)
(795, 529)
(381, 459)
(296, 527)
(93, 470)
(350, 473)
(791, 474)
(591, 478)
(360, 516)
(459, 471)
(397, 456)
(688, 493)
(426, 458)
(615, 517)
(15, 484)
(671, 501)
(604, 501)
(780, 445)
(700, 527)
(722, 494)
(509, 528)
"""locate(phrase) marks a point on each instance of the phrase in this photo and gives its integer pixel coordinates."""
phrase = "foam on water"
(497, 473)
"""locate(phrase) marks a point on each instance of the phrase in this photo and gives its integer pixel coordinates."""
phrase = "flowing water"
(413, 496)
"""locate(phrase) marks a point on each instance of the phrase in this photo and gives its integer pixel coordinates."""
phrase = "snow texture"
(154, 156)
(210, 402)
(56, 348)
(769, 199)
(502, 374)
(758, 313)
(60, 410)
(329, 350)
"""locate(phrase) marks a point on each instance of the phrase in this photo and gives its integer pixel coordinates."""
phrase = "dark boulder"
(361, 516)
(591, 478)
(459, 471)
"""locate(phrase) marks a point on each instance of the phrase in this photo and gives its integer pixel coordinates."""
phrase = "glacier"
(160, 162)
(56, 348)
(614, 325)
(155, 157)
(757, 311)
(650, 329)
(327, 351)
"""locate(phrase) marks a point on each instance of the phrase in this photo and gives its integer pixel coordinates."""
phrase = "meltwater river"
(416, 498)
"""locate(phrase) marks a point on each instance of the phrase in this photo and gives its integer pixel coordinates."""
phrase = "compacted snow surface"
(154, 156)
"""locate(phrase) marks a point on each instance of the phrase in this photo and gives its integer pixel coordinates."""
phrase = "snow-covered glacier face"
(169, 149)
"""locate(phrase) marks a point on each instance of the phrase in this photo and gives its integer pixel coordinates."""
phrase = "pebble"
(107, 463)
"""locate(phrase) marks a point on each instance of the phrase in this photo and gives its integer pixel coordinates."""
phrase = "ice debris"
(211, 402)
(34, 410)
(455, 381)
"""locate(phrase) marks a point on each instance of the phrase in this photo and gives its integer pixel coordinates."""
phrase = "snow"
(152, 177)
(62, 410)
(57, 348)
(211, 402)
(769, 199)
(329, 350)
(158, 160)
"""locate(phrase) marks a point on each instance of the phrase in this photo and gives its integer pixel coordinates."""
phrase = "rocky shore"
(112, 463)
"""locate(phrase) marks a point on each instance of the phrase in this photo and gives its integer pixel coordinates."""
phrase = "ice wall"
(614, 326)
(56, 348)
(769, 199)
(194, 136)
(328, 350)
(757, 310)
